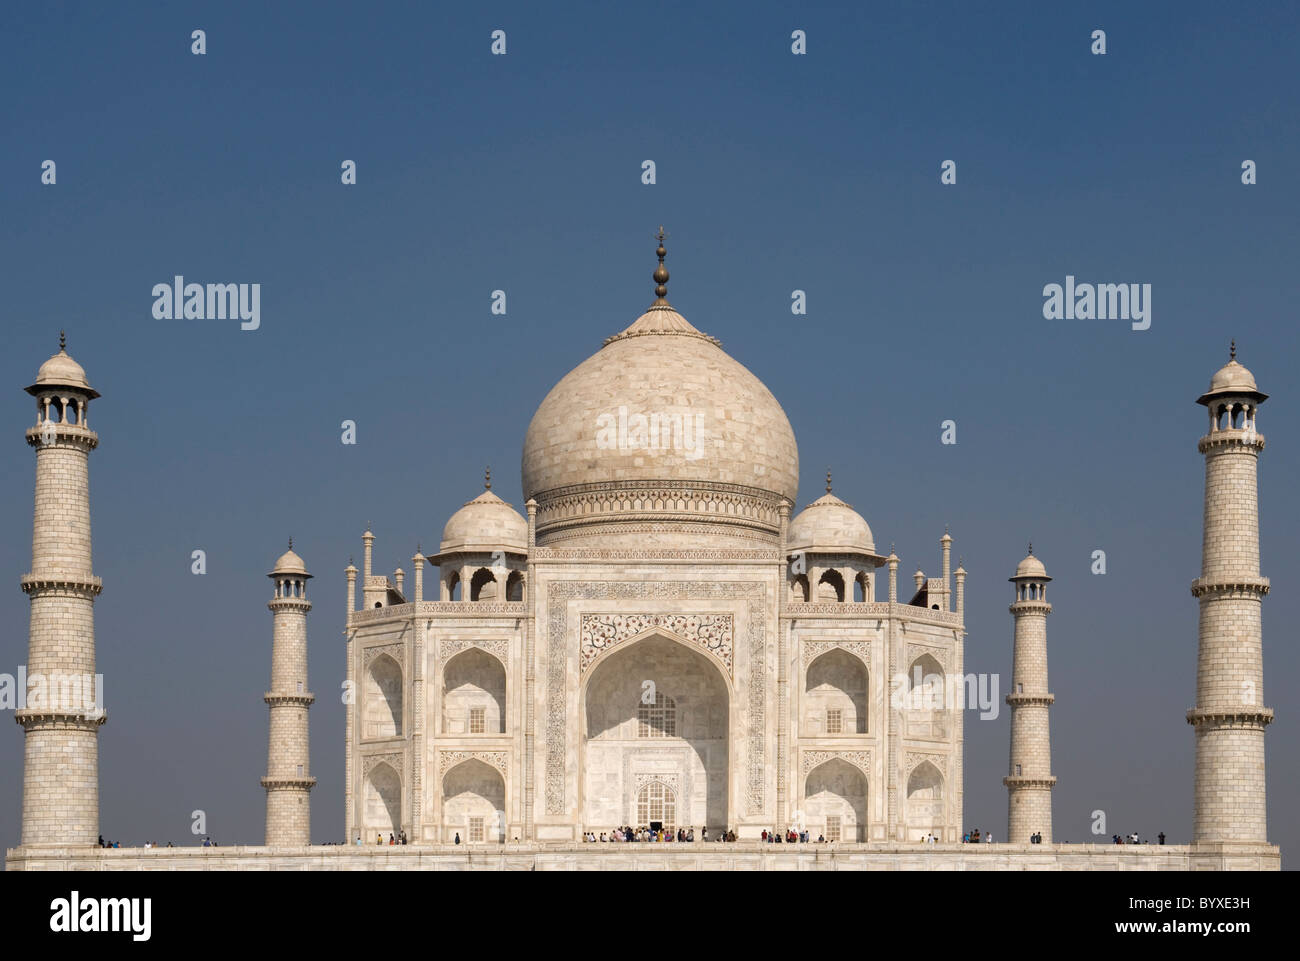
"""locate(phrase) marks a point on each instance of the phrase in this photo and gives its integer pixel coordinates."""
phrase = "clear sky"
(775, 172)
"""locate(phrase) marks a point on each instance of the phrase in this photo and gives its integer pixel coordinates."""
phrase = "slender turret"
(63, 706)
(1230, 717)
(288, 780)
(1029, 780)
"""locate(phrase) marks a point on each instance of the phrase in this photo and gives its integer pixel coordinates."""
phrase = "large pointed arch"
(693, 758)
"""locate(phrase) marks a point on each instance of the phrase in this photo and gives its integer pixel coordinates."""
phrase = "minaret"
(288, 780)
(1230, 717)
(61, 753)
(1029, 779)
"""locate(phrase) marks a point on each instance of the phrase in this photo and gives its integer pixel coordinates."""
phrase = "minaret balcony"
(273, 698)
(1017, 700)
(1015, 782)
(1237, 586)
(70, 581)
(53, 434)
(1231, 438)
(1244, 716)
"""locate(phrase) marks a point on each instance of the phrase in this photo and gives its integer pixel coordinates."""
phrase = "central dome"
(658, 429)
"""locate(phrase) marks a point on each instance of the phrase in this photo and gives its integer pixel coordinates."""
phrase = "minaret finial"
(828, 480)
(1232, 349)
(487, 478)
(661, 272)
(63, 340)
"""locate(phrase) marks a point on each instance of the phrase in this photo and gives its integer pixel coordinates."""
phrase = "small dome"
(1232, 379)
(290, 563)
(487, 523)
(62, 371)
(828, 525)
(1031, 566)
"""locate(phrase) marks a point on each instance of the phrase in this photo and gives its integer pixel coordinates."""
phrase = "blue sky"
(774, 172)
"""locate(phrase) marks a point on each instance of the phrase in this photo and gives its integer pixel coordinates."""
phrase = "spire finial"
(661, 272)
(828, 480)
(1232, 349)
(63, 341)
(487, 478)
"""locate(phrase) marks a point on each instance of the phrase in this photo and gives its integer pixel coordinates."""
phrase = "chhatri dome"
(62, 371)
(1231, 379)
(289, 563)
(487, 523)
(1031, 566)
(656, 433)
(828, 525)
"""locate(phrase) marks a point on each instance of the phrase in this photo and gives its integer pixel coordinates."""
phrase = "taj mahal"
(658, 636)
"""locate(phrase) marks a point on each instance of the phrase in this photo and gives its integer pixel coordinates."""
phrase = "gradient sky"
(775, 172)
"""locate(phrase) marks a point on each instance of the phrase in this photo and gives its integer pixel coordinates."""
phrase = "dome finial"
(63, 341)
(661, 272)
(487, 478)
(828, 480)
(290, 542)
(1031, 548)
(1232, 349)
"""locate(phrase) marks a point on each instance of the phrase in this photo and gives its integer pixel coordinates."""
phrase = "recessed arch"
(835, 793)
(930, 672)
(830, 586)
(835, 698)
(382, 708)
(654, 670)
(799, 588)
(924, 801)
(383, 805)
(659, 632)
(473, 802)
(474, 693)
(483, 585)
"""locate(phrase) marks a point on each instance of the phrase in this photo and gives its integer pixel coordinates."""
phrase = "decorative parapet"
(404, 612)
(905, 613)
(739, 554)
